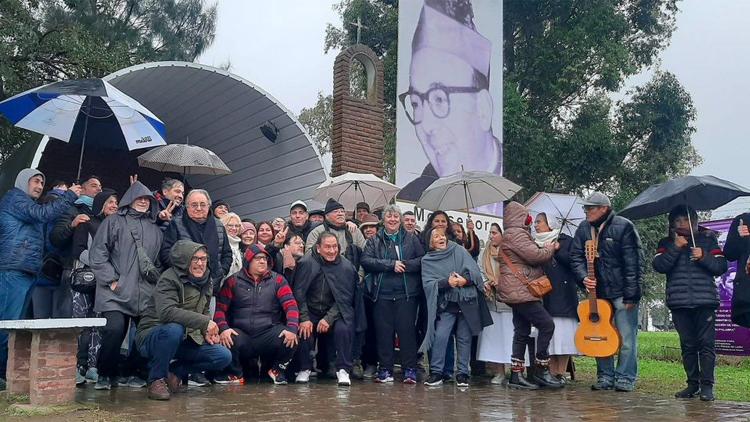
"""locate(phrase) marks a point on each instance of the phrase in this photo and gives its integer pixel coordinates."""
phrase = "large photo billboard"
(449, 113)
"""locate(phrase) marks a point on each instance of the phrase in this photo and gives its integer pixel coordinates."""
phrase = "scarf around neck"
(542, 239)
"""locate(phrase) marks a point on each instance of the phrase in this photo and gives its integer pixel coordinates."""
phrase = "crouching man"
(325, 285)
(176, 333)
(263, 314)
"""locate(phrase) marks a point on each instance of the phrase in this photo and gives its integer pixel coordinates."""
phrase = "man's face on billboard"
(456, 136)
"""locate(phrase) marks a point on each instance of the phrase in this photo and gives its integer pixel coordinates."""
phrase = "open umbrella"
(564, 212)
(350, 188)
(466, 190)
(699, 192)
(184, 159)
(85, 110)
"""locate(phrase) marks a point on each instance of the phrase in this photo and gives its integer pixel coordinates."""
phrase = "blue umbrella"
(84, 110)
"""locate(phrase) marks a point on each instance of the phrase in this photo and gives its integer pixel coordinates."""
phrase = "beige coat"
(526, 256)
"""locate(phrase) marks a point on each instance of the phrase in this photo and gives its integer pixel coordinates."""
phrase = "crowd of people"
(195, 294)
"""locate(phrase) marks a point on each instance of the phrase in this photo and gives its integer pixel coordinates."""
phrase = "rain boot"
(543, 377)
(516, 377)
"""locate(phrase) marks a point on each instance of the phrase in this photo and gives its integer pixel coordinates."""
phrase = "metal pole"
(85, 129)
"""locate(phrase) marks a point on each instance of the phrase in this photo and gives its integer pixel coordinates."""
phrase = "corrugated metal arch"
(221, 111)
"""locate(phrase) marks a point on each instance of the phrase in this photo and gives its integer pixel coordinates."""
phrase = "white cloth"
(234, 243)
(563, 341)
(542, 239)
(495, 343)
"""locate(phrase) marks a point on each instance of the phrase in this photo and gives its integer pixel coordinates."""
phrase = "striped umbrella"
(85, 110)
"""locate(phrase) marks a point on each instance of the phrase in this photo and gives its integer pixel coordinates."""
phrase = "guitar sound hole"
(594, 317)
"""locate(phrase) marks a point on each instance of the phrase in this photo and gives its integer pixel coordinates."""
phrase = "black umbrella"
(699, 192)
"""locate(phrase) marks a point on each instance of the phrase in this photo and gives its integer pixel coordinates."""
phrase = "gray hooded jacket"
(113, 255)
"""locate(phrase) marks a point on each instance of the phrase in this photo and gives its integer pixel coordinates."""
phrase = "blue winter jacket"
(22, 234)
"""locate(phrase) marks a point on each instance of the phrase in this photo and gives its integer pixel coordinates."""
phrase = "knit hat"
(253, 250)
(100, 199)
(333, 205)
(370, 220)
(246, 227)
(317, 212)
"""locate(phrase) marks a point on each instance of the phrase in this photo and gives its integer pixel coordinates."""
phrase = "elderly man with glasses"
(448, 100)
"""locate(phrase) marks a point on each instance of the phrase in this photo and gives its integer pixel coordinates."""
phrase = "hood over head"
(181, 253)
(515, 215)
(101, 198)
(136, 190)
(22, 180)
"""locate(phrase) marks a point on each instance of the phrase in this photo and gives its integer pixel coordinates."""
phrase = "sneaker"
(370, 372)
(384, 376)
(158, 390)
(602, 384)
(303, 377)
(277, 376)
(103, 383)
(448, 379)
(198, 380)
(229, 380)
(462, 380)
(132, 382)
(410, 376)
(80, 379)
(434, 380)
(357, 371)
(624, 387)
(498, 379)
(92, 375)
(343, 377)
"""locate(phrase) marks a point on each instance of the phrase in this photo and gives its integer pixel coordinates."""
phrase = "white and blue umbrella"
(85, 110)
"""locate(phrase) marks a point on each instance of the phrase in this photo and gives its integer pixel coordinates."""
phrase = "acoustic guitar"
(596, 335)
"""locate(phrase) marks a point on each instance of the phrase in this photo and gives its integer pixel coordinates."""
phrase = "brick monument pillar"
(357, 138)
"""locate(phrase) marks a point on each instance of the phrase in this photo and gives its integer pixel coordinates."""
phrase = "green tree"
(47, 40)
(318, 121)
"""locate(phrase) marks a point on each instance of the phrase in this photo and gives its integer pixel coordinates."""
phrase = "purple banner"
(731, 339)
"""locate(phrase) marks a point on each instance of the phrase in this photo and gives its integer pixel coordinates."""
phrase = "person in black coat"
(562, 301)
(737, 248)
(392, 261)
(619, 272)
(330, 305)
(690, 266)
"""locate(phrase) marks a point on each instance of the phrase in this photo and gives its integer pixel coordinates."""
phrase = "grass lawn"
(660, 370)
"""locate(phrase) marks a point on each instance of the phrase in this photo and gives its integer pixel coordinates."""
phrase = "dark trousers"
(697, 330)
(166, 343)
(365, 343)
(52, 301)
(266, 345)
(524, 316)
(397, 317)
(112, 335)
(340, 337)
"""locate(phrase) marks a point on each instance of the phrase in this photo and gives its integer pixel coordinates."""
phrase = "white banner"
(450, 85)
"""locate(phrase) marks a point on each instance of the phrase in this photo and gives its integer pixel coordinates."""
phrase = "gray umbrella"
(467, 189)
(184, 159)
(698, 192)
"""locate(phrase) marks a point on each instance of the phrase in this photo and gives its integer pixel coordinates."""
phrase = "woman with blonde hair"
(233, 225)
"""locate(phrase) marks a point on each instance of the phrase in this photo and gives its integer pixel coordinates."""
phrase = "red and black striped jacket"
(256, 305)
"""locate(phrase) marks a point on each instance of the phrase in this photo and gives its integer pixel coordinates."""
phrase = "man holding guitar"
(618, 280)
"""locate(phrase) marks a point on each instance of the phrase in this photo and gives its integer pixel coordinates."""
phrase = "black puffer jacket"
(562, 301)
(379, 258)
(737, 249)
(619, 268)
(690, 284)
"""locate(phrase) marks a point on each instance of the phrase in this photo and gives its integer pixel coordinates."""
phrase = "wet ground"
(364, 400)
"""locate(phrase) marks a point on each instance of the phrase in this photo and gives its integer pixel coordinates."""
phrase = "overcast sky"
(278, 46)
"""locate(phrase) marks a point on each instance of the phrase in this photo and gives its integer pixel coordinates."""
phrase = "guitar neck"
(592, 292)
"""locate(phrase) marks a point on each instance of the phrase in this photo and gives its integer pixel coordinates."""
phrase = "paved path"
(325, 401)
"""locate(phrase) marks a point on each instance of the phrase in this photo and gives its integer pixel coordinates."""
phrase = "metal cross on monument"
(359, 26)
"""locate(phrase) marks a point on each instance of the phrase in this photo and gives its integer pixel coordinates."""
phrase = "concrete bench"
(42, 357)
